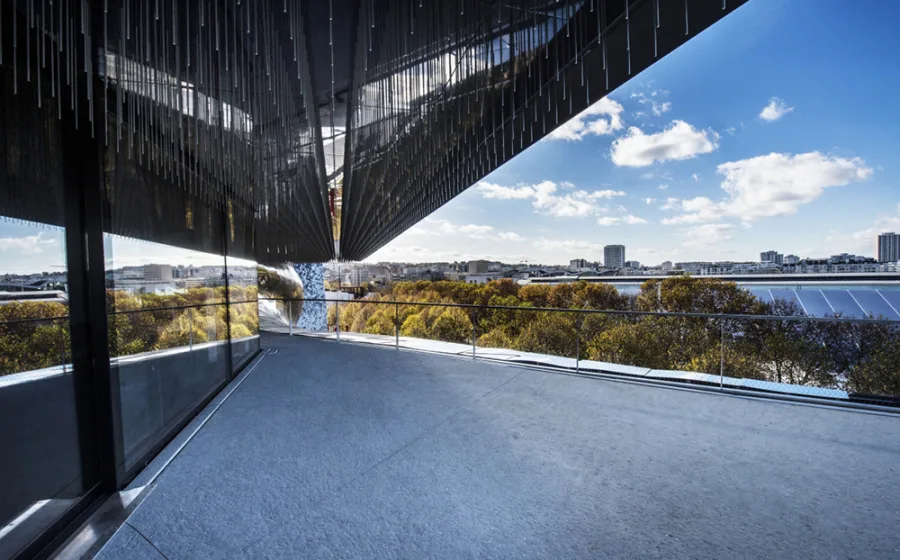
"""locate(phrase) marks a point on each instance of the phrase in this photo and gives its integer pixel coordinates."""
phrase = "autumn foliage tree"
(856, 357)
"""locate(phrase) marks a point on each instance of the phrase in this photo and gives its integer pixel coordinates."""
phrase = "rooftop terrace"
(337, 450)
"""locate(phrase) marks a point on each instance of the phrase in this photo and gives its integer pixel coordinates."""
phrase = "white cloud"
(679, 141)
(706, 235)
(660, 108)
(548, 198)
(695, 176)
(602, 118)
(568, 248)
(432, 226)
(510, 236)
(663, 187)
(649, 200)
(490, 190)
(772, 185)
(434, 239)
(628, 219)
(862, 241)
(776, 109)
(648, 99)
(671, 203)
(468, 229)
(29, 244)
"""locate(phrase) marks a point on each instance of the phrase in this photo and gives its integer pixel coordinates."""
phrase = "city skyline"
(43, 252)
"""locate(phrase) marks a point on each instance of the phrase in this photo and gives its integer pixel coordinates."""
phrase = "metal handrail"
(608, 311)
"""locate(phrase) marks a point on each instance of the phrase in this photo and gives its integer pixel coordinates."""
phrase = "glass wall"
(243, 310)
(168, 336)
(48, 441)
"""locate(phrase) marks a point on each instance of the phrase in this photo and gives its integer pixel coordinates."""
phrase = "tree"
(598, 296)
(381, 321)
(414, 326)
(496, 339)
(790, 351)
(877, 371)
(549, 333)
(651, 342)
(453, 325)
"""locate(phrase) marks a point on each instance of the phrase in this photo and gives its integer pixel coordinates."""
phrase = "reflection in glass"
(243, 309)
(168, 336)
(47, 456)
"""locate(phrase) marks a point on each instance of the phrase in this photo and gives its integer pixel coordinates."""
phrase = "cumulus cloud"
(771, 185)
(861, 241)
(649, 200)
(776, 109)
(706, 235)
(432, 226)
(510, 236)
(490, 190)
(628, 219)
(560, 200)
(608, 221)
(600, 119)
(663, 187)
(27, 244)
(652, 99)
(695, 176)
(568, 247)
(660, 108)
(671, 203)
(679, 141)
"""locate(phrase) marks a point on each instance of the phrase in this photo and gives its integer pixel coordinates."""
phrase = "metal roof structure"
(306, 131)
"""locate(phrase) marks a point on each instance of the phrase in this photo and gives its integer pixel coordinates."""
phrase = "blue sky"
(649, 167)
(778, 128)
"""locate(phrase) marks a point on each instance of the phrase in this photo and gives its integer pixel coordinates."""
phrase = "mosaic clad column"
(313, 317)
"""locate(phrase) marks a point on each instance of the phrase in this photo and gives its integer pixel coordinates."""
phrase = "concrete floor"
(341, 451)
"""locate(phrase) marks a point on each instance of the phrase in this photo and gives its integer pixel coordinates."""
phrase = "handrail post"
(290, 306)
(722, 357)
(578, 319)
(474, 332)
(191, 327)
(396, 325)
(337, 315)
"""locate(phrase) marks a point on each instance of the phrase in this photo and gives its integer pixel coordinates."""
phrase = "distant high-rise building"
(791, 259)
(771, 257)
(479, 267)
(580, 264)
(666, 266)
(614, 256)
(632, 264)
(887, 247)
(158, 272)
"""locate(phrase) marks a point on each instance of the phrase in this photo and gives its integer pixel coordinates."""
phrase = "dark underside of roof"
(303, 131)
